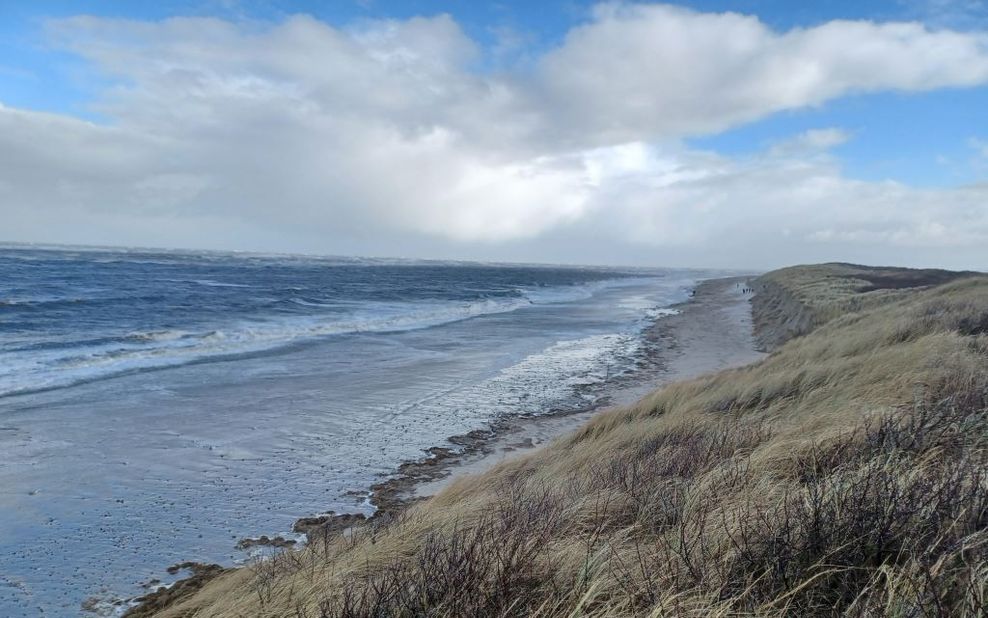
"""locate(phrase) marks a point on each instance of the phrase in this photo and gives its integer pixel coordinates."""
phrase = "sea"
(158, 406)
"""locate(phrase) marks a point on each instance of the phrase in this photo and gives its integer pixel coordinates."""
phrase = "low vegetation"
(846, 474)
(793, 301)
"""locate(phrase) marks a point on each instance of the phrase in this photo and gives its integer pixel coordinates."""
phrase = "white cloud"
(964, 14)
(380, 138)
(660, 71)
(702, 202)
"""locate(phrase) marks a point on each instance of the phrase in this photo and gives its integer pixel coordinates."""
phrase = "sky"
(749, 134)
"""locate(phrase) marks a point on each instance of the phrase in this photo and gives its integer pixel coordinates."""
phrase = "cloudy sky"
(736, 134)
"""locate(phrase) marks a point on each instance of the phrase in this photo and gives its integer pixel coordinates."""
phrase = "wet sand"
(711, 331)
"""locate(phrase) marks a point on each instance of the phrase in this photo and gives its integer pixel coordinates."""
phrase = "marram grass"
(846, 474)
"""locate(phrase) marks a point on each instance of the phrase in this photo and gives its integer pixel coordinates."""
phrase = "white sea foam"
(557, 373)
(33, 370)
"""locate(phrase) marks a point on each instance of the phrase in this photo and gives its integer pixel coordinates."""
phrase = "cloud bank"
(386, 138)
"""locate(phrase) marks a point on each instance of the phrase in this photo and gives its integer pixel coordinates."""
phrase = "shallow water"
(125, 452)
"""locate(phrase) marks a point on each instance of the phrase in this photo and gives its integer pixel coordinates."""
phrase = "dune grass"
(794, 301)
(846, 474)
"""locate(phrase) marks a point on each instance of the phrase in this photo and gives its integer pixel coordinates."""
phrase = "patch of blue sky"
(921, 139)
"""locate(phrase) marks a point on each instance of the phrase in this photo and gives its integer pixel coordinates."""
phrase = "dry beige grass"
(793, 301)
(845, 474)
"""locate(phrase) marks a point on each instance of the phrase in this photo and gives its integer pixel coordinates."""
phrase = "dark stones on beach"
(325, 525)
(195, 567)
(154, 602)
(265, 541)
(470, 439)
(395, 494)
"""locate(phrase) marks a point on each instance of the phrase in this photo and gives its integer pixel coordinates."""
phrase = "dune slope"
(844, 474)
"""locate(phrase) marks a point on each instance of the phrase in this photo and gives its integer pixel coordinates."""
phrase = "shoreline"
(695, 340)
(556, 530)
(711, 330)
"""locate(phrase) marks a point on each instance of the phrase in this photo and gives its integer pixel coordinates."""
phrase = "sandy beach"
(711, 331)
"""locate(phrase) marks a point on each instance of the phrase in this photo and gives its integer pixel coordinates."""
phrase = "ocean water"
(155, 407)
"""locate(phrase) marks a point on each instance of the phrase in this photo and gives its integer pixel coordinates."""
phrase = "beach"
(710, 331)
(842, 472)
(165, 408)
